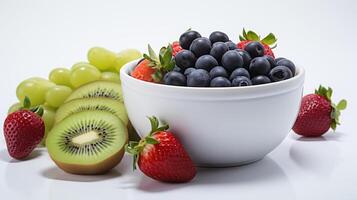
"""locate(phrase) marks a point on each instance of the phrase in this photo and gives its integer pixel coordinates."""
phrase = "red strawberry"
(250, 36)
(161, 156)
(176, 48)
(153, 67)
(23, 131)
(318, 114)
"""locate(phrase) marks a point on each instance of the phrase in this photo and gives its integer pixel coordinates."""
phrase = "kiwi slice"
(94, 89)
(89, 142)
(79, 105)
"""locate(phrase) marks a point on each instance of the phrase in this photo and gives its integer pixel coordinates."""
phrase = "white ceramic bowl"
(219, 127)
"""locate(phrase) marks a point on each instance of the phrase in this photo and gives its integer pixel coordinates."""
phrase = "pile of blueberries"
(217, 62)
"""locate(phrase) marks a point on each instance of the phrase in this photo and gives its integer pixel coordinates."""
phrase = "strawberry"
(318, 114)
(161, 156)
(24, 130)
(250, 36)
(176, 48)
(152, 68)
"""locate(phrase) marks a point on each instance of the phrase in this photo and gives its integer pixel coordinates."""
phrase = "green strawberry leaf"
(333, 125)
(26, 103)
(252, 36)
(342, 105)
(151, 140)
(270, 39)
(244, 34)
(152, 53)
(241, 38)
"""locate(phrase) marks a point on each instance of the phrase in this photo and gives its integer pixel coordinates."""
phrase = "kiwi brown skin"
(96, 169)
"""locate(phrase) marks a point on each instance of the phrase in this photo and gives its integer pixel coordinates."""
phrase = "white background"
(36, 36)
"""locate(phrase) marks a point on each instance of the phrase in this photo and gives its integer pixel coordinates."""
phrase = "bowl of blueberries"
(229, 103)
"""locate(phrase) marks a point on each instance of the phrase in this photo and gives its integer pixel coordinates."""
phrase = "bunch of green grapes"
(102, 65)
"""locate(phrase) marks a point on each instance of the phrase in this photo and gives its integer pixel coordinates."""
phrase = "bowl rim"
(127, 68)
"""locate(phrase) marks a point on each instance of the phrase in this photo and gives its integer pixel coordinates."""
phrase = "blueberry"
(189, 70)
(187, 38)
(259, 66)
(232, 60)
(287, 63)
(218, 49)
(218, 36)
(246, 57)
(271, 61)
(198, 78)
(261, 79)
(206, 62)
(280, 73)
(220, 82)
(176, 69)
(241, 81)
(200, 46)
(218, 71)
(231, 45)
(185, 59)
(175, 78)
(239, 72)
(255, 49)
(280, 58)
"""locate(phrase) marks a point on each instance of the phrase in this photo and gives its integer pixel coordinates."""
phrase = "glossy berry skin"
(143, 71)
(187, 38)
(185, 59)
(261, 79)
(259, 66)
(166, 161)
(218, 49)
(200, 46)
(287, 63)
(241, 81)
(268, 51)
(174, 78)
(218, 71)
(206, 62)
(255, 49)
(246, 57)
(277, 59)
(232, 60)
(198, 78)
(220, 82)
(176, 48)
(218, 36)
(231, 45)
(23, 131)
(177, 69)
(280, 73)
(188, 71)
(271, 61)
(239, 72)
(314, 117)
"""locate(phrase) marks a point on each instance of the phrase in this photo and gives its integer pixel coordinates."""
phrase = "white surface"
(243, 123)
(36, 36)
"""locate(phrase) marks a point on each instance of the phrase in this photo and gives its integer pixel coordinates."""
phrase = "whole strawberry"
(267, 41)
(161, 156)
(318, 114)
(23, 130)
(152, 68)
(176, 48)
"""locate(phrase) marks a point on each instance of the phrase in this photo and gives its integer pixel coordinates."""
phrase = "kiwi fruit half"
(99, 103)
(89, 142)
(94, 89)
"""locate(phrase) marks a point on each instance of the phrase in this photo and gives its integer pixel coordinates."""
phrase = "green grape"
(80, 64)
(126, 56)
(14, 107)
(56, 95)
(83, 75)
(111, 76)
(102, 58)
(49, 119)
(60, 76)
(35, 88)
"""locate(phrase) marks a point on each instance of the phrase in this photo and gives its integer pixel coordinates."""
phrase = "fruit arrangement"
(79, 114)
(197, 61)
